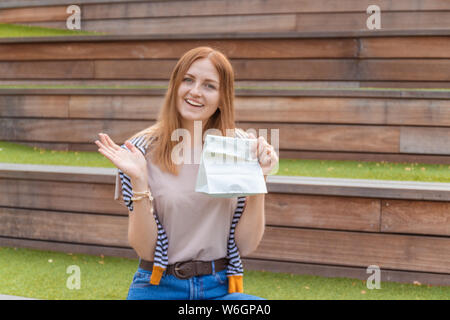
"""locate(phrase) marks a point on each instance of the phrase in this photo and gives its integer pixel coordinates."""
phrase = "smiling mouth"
(196, 106)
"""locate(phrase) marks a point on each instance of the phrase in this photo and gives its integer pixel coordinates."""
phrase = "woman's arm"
(142, 228)
(250, 228)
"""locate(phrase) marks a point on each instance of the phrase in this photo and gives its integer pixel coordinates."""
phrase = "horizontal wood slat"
(439, 279)
(163, 49)
(77, 174)
(390, 251)
(164, 21)
(312, 137)
(382, 47)
(18, 15)
(430, 140)
(285, 69)
(316, 22)
(422, 217)
(47, 70)
(185, 25)
(405, 47)
(64, 196)
(343, 110)
(264, 6)
(322, 212)
(123, 10)
(331, 137)
(64, 226)
(57, 130)
(34, 106)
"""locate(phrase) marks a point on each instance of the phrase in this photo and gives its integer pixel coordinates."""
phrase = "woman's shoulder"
(141, 141)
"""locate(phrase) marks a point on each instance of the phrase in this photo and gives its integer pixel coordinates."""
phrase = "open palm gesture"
(132, 162)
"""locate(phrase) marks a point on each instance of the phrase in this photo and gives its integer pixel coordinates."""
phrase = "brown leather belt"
(188, 269)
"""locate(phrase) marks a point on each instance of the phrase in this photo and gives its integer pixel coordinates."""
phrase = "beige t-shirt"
(197, 225)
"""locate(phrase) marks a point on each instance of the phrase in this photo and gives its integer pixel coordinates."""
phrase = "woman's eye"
(210, 86)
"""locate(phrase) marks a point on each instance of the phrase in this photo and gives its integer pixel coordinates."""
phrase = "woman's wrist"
(139, 183)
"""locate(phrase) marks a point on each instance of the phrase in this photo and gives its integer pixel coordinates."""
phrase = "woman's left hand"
(267, 156)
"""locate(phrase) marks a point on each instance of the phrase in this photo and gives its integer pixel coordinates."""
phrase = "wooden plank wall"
(377, 61)
(75, 212)
(204, 16)
(340, 125)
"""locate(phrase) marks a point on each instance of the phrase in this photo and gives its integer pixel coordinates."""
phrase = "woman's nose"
(195, 90)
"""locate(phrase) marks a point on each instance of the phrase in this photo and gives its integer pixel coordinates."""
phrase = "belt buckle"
(183, 270)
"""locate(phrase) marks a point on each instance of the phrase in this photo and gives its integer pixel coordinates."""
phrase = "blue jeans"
(213, 286)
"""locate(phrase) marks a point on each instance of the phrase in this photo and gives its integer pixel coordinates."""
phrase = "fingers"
(107, 143)
(266, 154)
(106, 153)
(106, 140)
(263, 147)
(106, 146)
(130, 146)
(110, 142)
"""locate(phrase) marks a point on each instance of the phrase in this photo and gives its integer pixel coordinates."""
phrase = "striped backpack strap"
(235, 270)
(162, 243)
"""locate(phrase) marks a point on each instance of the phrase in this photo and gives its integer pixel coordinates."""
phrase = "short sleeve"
(123, 181)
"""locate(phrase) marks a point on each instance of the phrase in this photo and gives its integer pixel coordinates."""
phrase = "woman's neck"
(196, 131)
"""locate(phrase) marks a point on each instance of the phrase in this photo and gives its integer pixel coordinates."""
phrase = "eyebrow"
(211, 80)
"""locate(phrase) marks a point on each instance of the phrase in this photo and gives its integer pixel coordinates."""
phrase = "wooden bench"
(331, 227)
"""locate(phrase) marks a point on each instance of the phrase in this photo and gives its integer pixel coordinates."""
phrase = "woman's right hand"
(132, 163)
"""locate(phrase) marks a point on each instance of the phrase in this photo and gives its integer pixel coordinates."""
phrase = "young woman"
(189, 243)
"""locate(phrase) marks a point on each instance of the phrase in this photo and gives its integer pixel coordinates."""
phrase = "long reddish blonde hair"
(158, 136)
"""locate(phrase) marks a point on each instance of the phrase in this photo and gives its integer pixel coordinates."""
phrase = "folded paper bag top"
(229, 168)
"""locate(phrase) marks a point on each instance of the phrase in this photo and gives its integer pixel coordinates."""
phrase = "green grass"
(366, 170)
(13, 31)
(17, 153)
(43, 275)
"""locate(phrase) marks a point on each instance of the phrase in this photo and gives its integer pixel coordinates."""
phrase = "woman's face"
(200, 86)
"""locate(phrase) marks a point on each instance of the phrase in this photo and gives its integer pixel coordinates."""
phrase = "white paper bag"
(228, 168)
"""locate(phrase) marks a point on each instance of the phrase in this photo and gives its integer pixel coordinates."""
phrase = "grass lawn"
(43, 275)
(16, 153)
(12, 31)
